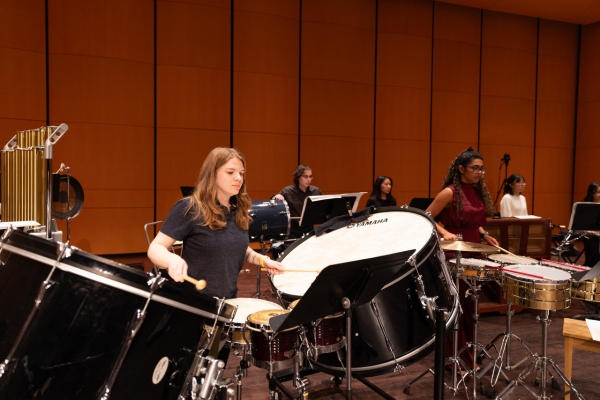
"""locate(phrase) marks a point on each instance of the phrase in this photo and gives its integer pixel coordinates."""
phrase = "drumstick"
(201, 284)
(508, 252)
(568, 265)
(521, 272)
(318, 271)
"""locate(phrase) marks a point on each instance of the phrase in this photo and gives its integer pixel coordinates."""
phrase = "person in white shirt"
(513, 203)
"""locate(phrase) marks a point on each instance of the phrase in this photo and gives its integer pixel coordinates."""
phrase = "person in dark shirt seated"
(295, 195)
(381, 196)
(591, 241)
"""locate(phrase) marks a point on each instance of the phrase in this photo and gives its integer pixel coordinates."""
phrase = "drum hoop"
(109, 282)
(289, 219)
(307, 236)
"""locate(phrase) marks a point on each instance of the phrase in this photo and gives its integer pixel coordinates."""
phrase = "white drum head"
(510, 259)
(475, 262)
(250, 306)
(537, 273)
(383, 233)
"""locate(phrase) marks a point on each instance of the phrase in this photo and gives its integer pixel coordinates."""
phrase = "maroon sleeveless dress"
(467, 224)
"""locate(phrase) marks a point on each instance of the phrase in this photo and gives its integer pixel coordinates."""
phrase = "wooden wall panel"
(403, 114)
(101, 85)
(193, 56)
(588, 109)
(23, 67)
(455, 92)
(555, 121)
(508, 82)
(266, 92)
(337, 93)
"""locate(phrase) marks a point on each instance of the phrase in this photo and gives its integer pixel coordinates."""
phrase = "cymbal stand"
(540, 363)
(474, 287)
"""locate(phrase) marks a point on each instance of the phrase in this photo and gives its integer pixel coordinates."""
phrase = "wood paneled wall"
(353, 88)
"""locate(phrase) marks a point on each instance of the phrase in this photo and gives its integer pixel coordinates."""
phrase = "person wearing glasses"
(295, 195)
(381, 196)
(463, 205)
(513, 203)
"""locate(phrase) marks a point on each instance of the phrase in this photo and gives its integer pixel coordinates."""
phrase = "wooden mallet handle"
(201, 284)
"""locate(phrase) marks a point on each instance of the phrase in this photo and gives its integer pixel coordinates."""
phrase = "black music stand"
(341, 288)
(585, 217)
(319, 209)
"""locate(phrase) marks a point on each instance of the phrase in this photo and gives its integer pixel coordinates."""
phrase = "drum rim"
(421, 254)
(106, 280)
(529, 279)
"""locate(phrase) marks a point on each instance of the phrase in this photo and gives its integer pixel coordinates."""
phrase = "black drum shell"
(75, 337)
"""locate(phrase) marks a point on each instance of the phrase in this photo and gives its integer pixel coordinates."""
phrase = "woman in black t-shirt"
(381, 196)
(213, 225)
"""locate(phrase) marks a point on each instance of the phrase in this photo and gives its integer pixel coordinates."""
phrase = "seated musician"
(295, 195)
(591, 241)
(463, 205)
(513, 202)
(381, 196)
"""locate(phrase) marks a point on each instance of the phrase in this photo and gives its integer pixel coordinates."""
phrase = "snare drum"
(246, 307)
(324, 335)
(270, 220)
(482, 270)
(508, 259)
(537, 287)
(271, 351)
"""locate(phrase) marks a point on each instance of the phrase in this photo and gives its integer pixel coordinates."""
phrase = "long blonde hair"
(203, 201)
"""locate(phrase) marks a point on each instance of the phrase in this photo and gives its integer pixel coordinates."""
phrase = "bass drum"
(65, 343)
(394, 329)
(270, 220)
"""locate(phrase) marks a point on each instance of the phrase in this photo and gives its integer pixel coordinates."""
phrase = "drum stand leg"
(472, 291)
(504, 351)
(456, 361)
(542, 364)
(263, 251)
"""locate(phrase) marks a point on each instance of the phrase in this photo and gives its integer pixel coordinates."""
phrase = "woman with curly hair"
(213, 225)
(381, 196)
(463, 205)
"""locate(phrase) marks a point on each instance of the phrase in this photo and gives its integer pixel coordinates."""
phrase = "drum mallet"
(201, 284)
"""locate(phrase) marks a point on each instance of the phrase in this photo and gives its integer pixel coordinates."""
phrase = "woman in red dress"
(463, 205)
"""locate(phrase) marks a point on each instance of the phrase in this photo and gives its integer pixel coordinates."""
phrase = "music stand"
(585, 217)
(319, 209)
(342, 287)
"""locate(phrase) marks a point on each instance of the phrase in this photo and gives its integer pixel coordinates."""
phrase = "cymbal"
(459, 245)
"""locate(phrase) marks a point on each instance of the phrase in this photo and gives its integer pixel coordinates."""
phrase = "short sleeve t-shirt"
(216, 256)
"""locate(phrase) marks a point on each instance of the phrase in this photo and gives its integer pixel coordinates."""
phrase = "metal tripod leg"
(504, 352)
(542, 364)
